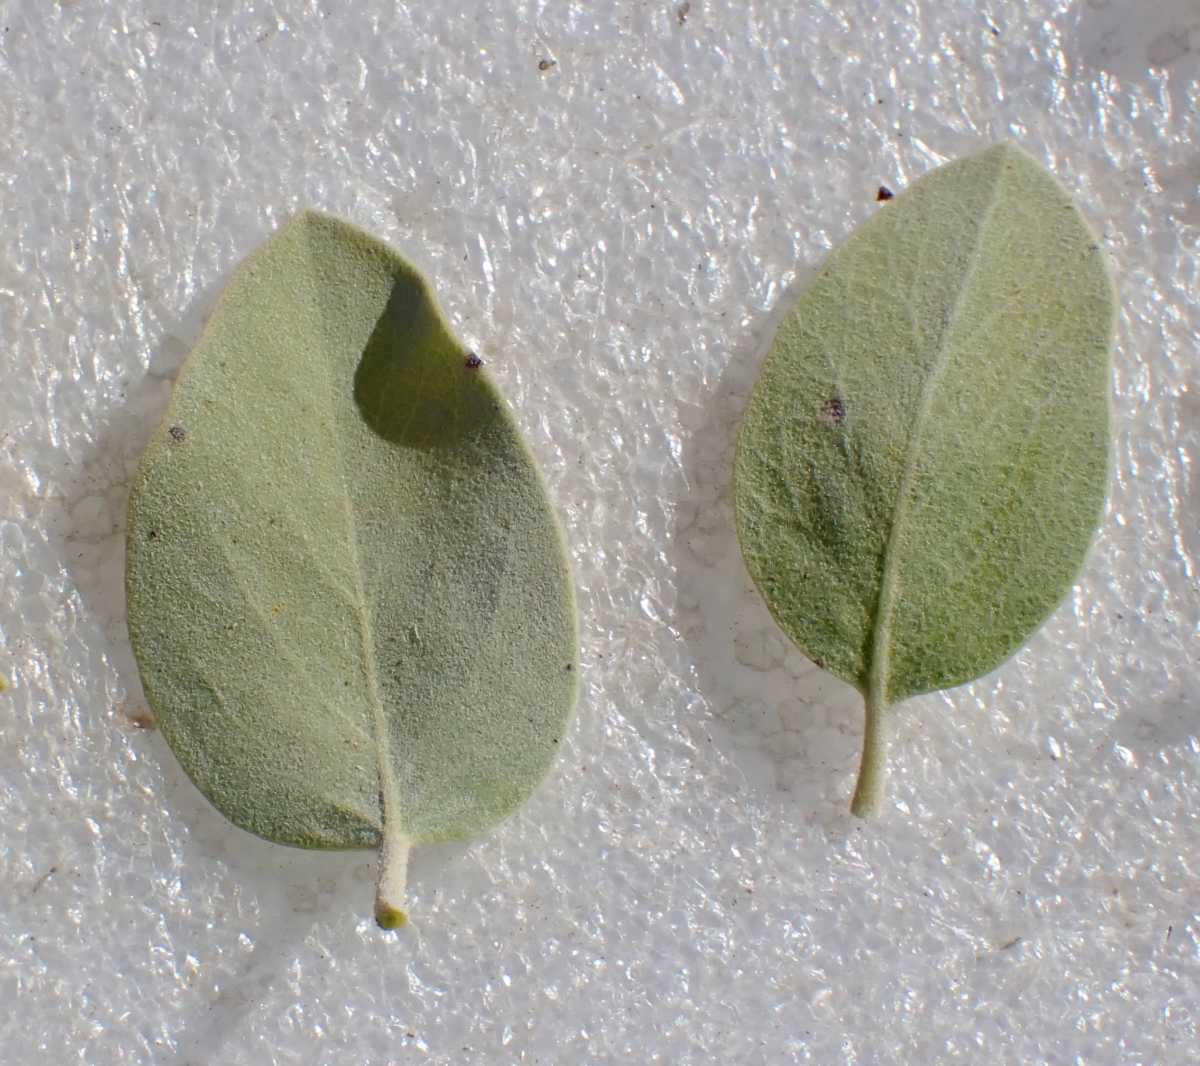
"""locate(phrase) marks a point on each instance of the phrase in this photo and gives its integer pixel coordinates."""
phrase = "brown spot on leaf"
(833, 411)
(138, 714)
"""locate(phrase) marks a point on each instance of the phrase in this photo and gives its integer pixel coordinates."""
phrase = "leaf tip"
(307, 215)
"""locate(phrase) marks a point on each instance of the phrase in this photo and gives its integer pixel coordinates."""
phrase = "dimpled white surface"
(615, 203)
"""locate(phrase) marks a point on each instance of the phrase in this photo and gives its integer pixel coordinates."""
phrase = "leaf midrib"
(878, 677)
(388, 790)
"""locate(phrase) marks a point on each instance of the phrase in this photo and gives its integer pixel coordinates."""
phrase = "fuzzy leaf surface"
(348, 593)
(924, 459)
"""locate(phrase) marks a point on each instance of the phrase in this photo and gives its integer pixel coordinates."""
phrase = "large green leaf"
(924, 459)
(348, 593)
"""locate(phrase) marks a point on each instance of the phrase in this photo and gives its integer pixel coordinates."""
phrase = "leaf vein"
(879, 672)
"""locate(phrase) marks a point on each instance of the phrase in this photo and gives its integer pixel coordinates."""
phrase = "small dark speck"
(681, 12)
(820, 663)
(177, 433)
(995, 32)
(546, 64)
(1010, 943)
(42, 880)
(884, 194)
(495, 407)
(570, 666)
(833, 411)
(153, 534)
(473, 361)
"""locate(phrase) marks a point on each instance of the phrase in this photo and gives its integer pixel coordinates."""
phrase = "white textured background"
(617, 235)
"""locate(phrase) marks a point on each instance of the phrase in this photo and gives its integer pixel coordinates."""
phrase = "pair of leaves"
(348, 593)
(923, 462)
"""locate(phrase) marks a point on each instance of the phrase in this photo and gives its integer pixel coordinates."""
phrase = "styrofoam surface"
(615, 203)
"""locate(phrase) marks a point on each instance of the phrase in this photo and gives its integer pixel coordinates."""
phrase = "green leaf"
(923, 462)
(348, 593)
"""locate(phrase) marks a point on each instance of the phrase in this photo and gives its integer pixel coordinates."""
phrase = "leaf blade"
(346, 633)
(882, 490)
(1036, 535)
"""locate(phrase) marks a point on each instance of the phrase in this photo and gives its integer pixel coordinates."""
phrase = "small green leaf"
(923, 462)
(348, 592)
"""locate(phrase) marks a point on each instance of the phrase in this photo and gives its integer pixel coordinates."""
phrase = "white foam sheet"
(615, 202)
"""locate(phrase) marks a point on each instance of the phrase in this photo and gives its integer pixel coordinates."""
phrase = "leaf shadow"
(88, 521)
(1171, 720)
(1152, 48)
(793, 730)
(415, 384)
(283, 894)
(1141, 43)
(294, 895)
